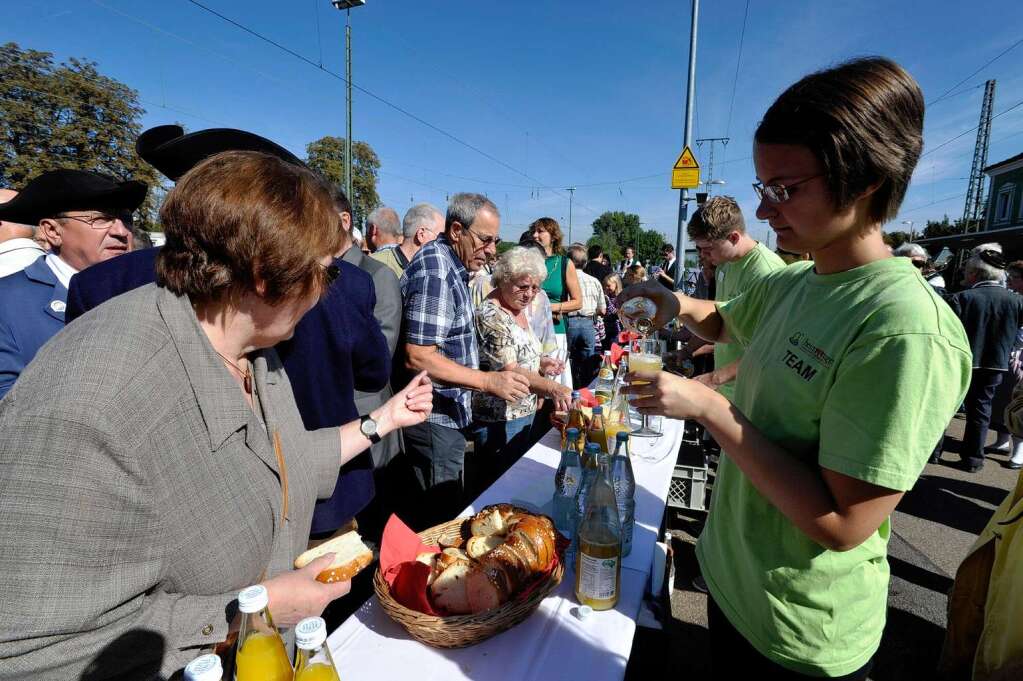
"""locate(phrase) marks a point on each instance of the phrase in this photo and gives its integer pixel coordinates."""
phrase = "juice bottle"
(261, 655)
(599, 554)
(313, 661)
(604, 385)
(204, 668)
(576, 419)
(596, 434)
(616, 420)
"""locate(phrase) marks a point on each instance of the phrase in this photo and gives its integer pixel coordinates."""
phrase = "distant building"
(1005, 197)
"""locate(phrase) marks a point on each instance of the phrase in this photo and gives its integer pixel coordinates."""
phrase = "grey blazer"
(387, 312)
(139, 493)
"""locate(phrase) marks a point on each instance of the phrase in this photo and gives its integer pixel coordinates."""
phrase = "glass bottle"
(313, 661)
(576, 419)
(604, 386)
(204, 668)
(589, 475)
(599, 554)
(637, 314)
(261, 655)
(566, 484)
(623, 480)
(595, 434)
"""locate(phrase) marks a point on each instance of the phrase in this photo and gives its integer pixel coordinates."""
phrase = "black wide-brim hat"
(58, 191)
(168, 149)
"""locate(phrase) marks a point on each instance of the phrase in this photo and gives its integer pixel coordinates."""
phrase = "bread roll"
(351, 556)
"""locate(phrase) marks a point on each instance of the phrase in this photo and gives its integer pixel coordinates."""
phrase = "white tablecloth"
(553, 643)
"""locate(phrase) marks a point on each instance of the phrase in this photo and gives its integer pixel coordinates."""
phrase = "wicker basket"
(458, 631)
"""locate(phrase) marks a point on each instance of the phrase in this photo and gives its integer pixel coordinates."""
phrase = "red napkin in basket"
(587, 398)
(407, 577)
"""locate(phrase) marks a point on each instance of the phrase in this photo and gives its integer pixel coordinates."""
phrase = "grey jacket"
(139, 493)
(387, 312)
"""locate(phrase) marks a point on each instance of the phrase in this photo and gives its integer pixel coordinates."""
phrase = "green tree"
(614, 230)
(68, 115)
(943, 227)
(896, 239)
(327, 156)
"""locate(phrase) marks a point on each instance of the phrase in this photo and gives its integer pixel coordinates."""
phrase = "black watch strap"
(374, 437)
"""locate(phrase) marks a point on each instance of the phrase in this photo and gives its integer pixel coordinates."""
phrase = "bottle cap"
(622, 436)
(311, 633)
(598, 410)
(583, 611)
(204, 668)
(253, 599)
(575, 394)
(572, 433)
(592, 447)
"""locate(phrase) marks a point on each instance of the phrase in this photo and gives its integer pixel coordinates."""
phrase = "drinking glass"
(648, 359)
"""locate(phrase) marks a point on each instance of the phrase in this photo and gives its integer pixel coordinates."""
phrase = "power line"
(738, 61)
(989, 63)
(375, 96)
(927, 205)
(967, 132)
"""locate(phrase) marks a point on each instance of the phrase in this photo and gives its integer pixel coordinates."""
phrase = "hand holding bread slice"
(351, 556)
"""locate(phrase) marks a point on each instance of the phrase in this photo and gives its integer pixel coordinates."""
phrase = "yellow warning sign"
(686, 172)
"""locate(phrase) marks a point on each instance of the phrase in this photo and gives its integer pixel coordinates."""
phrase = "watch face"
(368, 427)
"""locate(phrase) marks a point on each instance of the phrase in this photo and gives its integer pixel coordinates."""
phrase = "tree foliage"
(943, 227)
(614, 230)
(68, 115)
(327, 156)
(896, 238)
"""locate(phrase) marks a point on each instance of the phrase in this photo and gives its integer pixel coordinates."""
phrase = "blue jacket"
(32, 305)
(336, 349)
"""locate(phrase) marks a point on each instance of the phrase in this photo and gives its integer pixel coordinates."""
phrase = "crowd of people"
(182, 421)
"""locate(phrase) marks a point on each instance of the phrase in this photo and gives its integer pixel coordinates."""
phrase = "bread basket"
(458, 631)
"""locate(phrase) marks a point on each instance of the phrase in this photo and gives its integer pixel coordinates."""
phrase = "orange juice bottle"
(261, 655)
(596, 433)
(204, 668)
(313, 661)
(616, 420)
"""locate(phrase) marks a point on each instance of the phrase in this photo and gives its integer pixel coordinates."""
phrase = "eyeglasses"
(779, 193)
(919, 264)
(331, 273)
(102, 221)
(486, 239)
(531, 288)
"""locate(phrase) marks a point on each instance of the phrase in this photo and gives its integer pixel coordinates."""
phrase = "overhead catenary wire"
(967, 132)
(986, 64)
(738, 63)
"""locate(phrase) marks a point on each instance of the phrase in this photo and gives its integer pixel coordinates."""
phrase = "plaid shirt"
(438, 311)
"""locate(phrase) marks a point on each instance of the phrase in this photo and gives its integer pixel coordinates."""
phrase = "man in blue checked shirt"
(439, 335)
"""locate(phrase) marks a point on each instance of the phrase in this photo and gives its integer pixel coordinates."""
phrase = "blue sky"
(563, 93)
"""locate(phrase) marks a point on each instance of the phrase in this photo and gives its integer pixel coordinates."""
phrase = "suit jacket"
(335, 350)
(597, 270)
(387, 312)
(32, 312)
(991, 316)
(139, 493)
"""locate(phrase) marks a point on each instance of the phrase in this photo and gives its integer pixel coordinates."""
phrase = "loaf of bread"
(351, 556)
(508, 548)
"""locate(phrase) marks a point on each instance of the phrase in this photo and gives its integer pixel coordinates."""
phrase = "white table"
(553, 643)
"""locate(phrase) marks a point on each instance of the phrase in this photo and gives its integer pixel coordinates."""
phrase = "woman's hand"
(551, 366)
(669, 395)
(561, 396)
(410, 406)
(668, 306)
(296, 595)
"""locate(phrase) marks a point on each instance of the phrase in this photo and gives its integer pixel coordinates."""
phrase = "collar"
(981, 284)
(354, 255)
(60, 269)
(399, 255)
(20, 244)
(447, 248)
(223, 408)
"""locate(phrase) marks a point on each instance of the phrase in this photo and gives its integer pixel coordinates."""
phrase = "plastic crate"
(688, 488)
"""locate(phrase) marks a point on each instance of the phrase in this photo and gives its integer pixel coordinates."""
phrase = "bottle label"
(568, 484)
(598, 577)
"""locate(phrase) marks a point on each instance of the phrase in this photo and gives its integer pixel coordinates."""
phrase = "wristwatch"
(368, 428)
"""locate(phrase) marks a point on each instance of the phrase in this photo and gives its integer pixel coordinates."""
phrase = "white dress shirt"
(17, 254)
(60, 269)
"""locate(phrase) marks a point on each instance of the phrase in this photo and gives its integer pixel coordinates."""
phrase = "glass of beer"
(648, 359)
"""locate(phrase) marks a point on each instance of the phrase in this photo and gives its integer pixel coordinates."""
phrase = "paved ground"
(933, 527)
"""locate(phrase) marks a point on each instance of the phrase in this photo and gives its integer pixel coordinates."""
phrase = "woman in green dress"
(561, 285)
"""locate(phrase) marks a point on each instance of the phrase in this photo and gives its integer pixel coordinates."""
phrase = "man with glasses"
(86, 218)
(439, 336)
(421, 225)
(921, 259)
(718, 230)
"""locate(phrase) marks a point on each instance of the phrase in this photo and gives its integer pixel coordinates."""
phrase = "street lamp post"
(912, 234)
(571, 196)
(347, 6)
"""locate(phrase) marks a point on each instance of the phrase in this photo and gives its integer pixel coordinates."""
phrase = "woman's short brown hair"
(240, 217)
(551, 226)
(863, 120)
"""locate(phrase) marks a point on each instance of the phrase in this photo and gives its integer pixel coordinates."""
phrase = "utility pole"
(974, 209)
(347, 6)
(571, 195)
(710, 181)
(683, 197)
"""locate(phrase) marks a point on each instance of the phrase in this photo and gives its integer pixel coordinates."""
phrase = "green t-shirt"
(733, 278)
(858, 372)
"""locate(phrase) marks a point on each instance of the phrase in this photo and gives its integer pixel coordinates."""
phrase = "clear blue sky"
(565, 93)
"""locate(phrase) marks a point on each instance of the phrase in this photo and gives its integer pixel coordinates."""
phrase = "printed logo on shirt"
(796, 363)
(799, 340)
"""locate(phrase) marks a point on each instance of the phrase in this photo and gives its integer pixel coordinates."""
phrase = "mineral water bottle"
(590, 474)
(261, 655)
(624, 482)
(313, 661)
(204, 668)
(599, 556)
(566, 483)
(604, 386)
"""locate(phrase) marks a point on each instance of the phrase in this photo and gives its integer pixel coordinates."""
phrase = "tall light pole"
(571, 195)
(912, 234)
(683, 197)
(347, 6)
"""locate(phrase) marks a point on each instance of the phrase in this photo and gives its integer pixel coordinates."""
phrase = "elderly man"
(383, 229)
(439, 335)
(18, 247)
(85, 217)
(921, 259)
(421, 225)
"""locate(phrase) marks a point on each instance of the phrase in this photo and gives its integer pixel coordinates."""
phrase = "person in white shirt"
(628, 261)
(85, 217)
(18, 248)
(582, 344)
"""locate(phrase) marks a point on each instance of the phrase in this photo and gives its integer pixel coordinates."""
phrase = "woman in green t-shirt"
(561, 284)
(852, 369)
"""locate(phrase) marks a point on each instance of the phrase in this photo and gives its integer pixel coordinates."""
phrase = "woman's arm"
(837, 511)
(410, 406)
(542, 387)
(574, 301)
